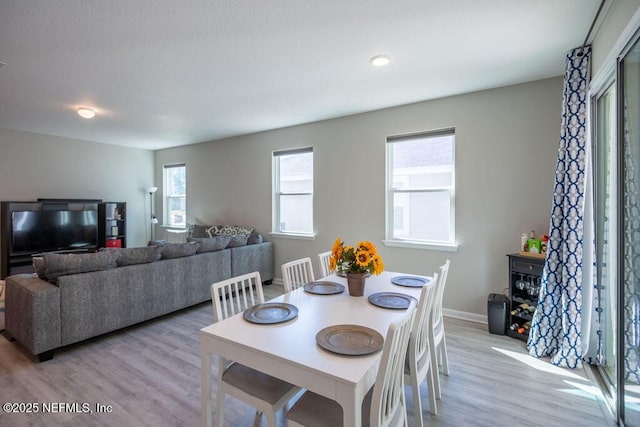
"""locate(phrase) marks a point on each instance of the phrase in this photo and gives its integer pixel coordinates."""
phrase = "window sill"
(173, 227)
(300, 236)
(442, 247)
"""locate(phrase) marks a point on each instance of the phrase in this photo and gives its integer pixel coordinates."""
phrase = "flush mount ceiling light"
(86, 113)
(379, 60)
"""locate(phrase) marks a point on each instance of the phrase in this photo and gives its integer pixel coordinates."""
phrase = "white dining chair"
(264, 392)
(437, 339)
(384, 405)
(325, 263)
(297, 273)
(418, 366)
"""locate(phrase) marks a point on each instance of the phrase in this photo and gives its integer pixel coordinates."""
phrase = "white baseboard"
(471, 317)
(277, 281)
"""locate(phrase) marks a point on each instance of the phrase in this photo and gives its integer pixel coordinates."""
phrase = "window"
(420, 189)
(175, 195)
(293, 192)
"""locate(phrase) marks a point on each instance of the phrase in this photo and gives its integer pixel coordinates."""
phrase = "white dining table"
(289, 350)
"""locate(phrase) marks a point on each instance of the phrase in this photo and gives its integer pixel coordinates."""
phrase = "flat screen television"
(51, 230)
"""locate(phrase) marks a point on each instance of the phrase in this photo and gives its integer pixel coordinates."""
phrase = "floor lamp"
(154, 220)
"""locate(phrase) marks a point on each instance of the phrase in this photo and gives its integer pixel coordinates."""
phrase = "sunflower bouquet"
(362, 258)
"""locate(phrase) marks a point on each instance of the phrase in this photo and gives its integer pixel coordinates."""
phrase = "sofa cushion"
(229, 230)
(56, 265)
(142, 255)
(177, 250)
(210, 244)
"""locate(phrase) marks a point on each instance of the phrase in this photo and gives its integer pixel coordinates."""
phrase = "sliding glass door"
(629, 246)
(616, 136)
(606, 228)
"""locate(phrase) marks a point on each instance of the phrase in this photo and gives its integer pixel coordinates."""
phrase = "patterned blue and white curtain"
(557, 322)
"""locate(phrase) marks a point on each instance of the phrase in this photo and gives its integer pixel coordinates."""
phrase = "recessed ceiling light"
(86, 113)
(379, 60)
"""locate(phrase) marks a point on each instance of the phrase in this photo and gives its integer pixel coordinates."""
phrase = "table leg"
(205, 385)
(351, 410)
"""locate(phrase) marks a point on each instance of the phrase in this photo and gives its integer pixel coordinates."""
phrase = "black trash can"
(497, 313)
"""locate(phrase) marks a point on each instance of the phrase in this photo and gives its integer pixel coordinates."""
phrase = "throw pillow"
(211, 244)
(177, 250)
(211, 230)
(57, 265)
(38, 267)
(198, 231)
(230, 230)
(254, 238)
(236, 241)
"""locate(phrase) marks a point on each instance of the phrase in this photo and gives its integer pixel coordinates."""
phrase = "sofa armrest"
(32, 312)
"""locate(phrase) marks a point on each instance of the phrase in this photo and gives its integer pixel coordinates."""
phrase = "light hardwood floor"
(150, 375)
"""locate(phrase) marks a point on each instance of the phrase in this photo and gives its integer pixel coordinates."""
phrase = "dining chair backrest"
(387, 400)
(437, 302)
(419, 354)
(419, 341)
(296, 273)
(236, 294)
(325, 265)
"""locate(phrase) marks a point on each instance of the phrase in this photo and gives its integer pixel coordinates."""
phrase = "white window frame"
(167, 197)
(390, 239)
(277, 194)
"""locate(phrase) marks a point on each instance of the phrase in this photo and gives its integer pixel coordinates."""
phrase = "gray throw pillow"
(254, 238)
(142, 255)
(211, 244)
(236, 241)
(177, 250)
(198, 231)
(57, 265)
(38, 267)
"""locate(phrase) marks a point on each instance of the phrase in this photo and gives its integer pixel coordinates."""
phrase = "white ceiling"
(163, 73)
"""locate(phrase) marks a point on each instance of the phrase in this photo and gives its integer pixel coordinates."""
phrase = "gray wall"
(506, 145)
(36, 166)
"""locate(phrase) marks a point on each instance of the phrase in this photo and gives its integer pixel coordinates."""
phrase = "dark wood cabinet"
(525, 275)
(112, 225)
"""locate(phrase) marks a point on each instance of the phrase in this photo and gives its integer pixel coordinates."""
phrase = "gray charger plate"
(392, 300)
(350, 340)
(270, 313)
(410, 281)
(324, 288)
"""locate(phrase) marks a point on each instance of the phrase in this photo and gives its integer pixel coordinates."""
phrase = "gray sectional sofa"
(80, 304)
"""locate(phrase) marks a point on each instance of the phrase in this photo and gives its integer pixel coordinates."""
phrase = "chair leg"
(434, 368)
(432, 393)
(417, 404)
(257, 419)
(445, 358)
